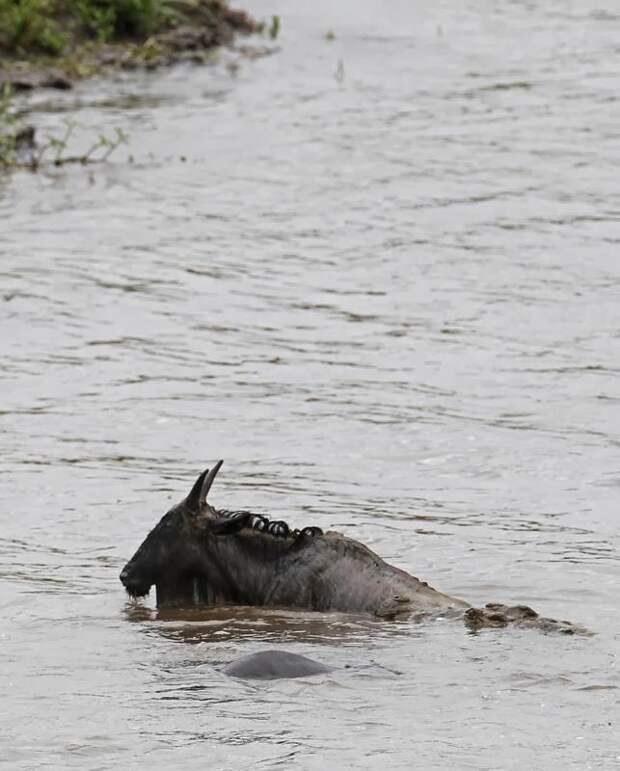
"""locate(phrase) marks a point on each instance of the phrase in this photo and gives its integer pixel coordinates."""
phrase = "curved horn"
(193, 499)
(208, 481)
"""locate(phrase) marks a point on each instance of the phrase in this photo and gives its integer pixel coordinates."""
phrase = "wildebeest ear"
(229, 525)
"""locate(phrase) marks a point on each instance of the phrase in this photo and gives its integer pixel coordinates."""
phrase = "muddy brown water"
(386, 292)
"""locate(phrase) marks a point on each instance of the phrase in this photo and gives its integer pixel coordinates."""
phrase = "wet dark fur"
(200, 555)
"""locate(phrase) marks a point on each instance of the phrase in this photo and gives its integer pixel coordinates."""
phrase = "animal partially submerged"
(200, 555)
(273, 665)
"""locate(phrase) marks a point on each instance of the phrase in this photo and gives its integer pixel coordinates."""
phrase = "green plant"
(18, 148)
(97, 21)
(110, 19)
(137, 17)
(56, 146)
(7, 128)
(274, 29)
(28, 25)
(47, 26)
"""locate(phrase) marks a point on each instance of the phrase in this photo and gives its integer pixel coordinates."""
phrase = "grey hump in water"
(274, 664)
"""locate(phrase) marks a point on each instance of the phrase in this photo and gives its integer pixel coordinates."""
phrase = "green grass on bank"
(53, 42)
(54, 27)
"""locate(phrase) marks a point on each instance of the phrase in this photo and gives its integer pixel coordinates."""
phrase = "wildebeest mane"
(276, 528)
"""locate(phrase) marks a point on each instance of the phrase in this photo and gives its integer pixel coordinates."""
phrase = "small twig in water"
(339, 74)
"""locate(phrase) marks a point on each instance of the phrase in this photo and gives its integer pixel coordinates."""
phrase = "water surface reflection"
(390, 301)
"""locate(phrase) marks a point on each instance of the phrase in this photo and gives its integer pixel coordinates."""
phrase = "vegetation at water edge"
(56, 27)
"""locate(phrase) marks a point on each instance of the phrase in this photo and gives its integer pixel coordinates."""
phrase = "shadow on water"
(264, 625)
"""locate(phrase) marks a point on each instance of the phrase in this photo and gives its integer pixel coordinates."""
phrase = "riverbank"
(52, 43)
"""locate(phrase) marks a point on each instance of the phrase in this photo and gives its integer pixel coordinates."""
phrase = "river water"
(379, 275)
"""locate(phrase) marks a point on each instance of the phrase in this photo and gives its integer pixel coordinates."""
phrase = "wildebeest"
(200, 555)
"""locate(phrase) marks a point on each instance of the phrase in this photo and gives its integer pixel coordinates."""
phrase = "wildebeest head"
(171, 553)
